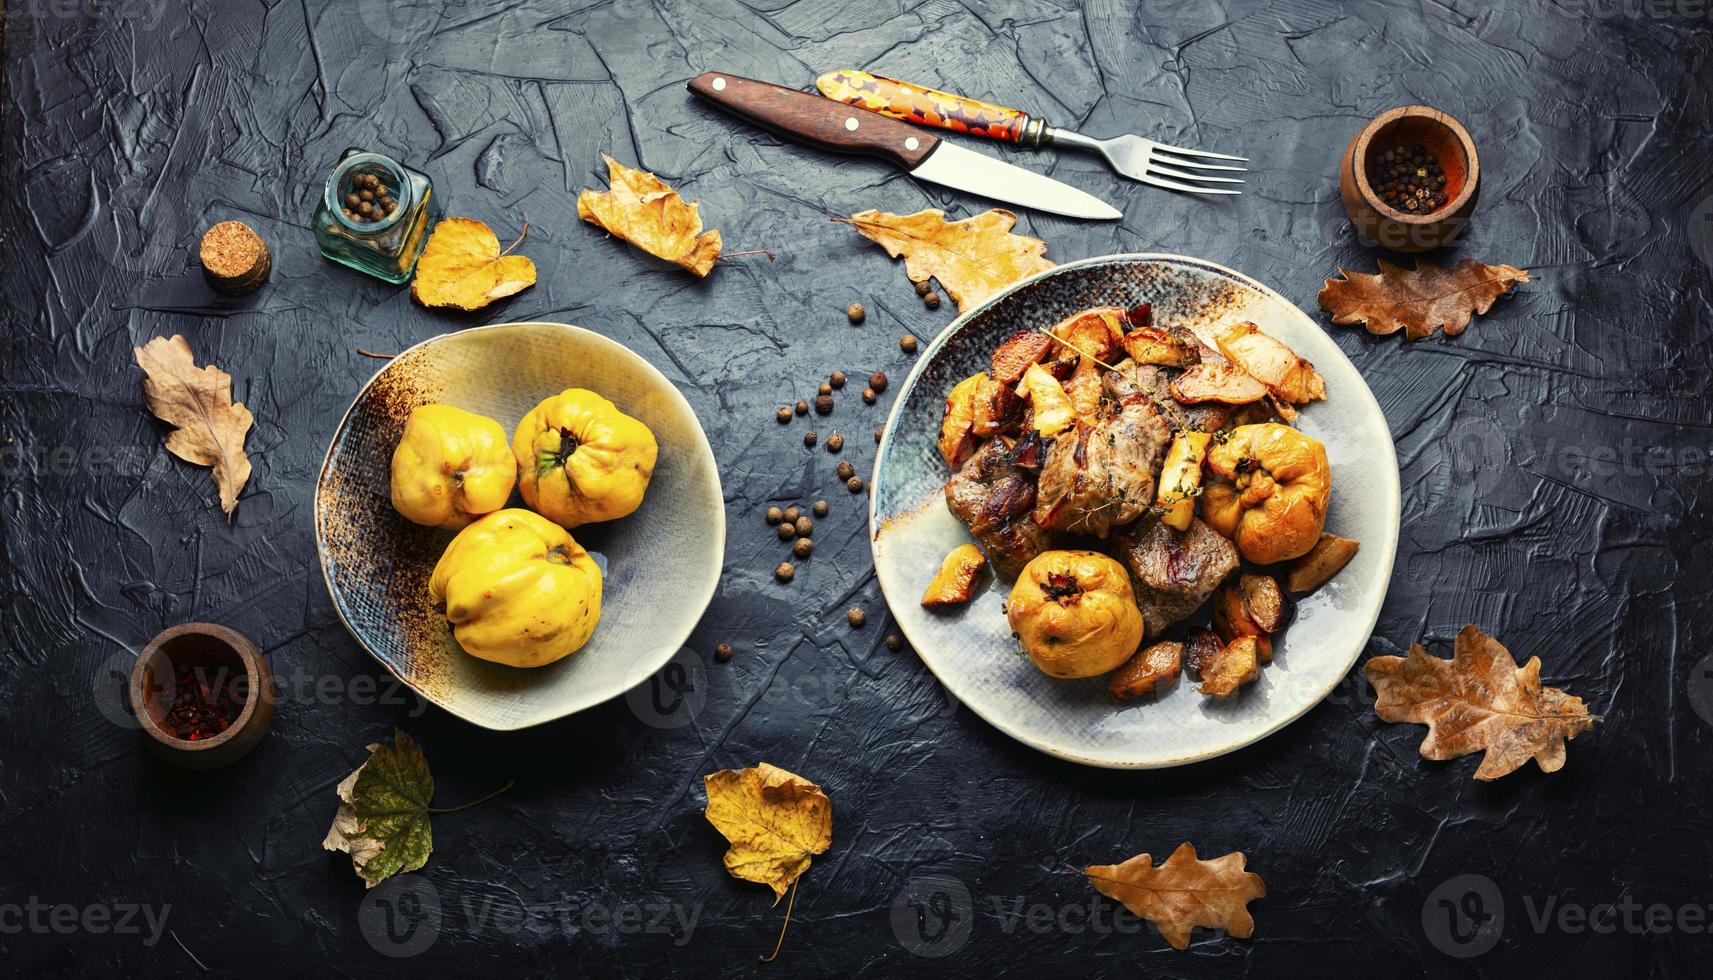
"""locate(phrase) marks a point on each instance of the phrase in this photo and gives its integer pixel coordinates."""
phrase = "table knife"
(830, 125)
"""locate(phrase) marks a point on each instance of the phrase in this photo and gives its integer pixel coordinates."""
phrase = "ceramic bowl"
(1377, 222)
(970, 649)
(218, 654)
(661, 563)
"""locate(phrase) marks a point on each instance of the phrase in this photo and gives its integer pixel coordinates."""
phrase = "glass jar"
(387, 247)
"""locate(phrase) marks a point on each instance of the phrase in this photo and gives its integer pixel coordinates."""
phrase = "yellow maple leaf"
(639, 208)
(973, 258)
(462, 266)
(775, 820)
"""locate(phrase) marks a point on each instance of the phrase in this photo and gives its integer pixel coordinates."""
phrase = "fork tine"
(1154, 167)
(1199, 153)
(1191, 188)
(1194, 165)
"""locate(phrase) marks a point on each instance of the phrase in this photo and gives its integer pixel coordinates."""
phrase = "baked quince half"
(1267, 491)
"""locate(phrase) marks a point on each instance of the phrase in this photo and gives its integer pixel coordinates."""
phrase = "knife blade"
(841, 128)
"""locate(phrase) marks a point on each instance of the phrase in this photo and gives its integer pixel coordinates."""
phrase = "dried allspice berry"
(845, 469)
(835, 442)
(827, 387)
(824, 405)
(802, 407)
(924, 287)
(787, 530)
(820, 508)
(869, 396)
(837, 379)
(879, 430)
(783, 571)
(855, 312)
(809, 438)
(775, 515)
(856, 617)
(894, 641)
(792, 513)
(854, 484)
(723, 652)
(783, 415)
(931, 301)
(803, 548)
(907, 344)
(877, 381)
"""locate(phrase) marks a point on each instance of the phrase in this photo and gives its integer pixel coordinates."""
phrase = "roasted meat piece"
(1102, 476)
(1173, 572)
(992, 495)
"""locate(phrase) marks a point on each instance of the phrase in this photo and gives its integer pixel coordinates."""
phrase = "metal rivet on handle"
(912, 143)
(719, 85)
(851, 123)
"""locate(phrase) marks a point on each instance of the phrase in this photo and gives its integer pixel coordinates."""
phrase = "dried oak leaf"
(209, 426)
(462, 266)
(383, 812)
(1183, 892)
(775, 820)
(1420, 300)
(639, 208)
(973, 258)
(1479, 700)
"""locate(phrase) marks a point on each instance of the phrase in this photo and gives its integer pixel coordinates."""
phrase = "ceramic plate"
(661, 563)
(971, 649)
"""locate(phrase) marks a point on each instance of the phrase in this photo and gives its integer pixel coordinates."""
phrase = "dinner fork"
(1145, 160)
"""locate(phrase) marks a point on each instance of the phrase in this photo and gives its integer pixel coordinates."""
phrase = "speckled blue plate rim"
(1134, 258)
(677, 637)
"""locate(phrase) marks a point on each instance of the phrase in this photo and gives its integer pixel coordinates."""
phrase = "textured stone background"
(1531, 505)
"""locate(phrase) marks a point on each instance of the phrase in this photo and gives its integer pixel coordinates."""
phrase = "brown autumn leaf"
(1184, 892)
(973, 258)
(209, 428)
(1479, 700)
(1420, 300)
(775, 820)
(639, 208)
(462, 266)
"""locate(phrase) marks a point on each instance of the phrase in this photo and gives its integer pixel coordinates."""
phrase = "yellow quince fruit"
(451, 467)
(582, 460)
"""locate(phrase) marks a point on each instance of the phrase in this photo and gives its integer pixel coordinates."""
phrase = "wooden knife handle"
(923, 106)
(813, 120)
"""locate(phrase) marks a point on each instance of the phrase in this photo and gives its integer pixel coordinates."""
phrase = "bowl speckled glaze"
(661, 563)
(970, 649)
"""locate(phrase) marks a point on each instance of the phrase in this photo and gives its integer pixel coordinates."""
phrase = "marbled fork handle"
(930, 107)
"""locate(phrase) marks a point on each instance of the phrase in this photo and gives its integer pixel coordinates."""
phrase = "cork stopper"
(234, 258)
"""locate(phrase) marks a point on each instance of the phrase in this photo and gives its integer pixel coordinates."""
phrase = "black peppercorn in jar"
(375, 214)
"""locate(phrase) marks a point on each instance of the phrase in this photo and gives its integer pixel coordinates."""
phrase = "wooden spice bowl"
(222, 654)
(1445, 139)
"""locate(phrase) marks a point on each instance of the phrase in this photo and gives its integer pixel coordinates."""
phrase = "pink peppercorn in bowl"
(202, 694)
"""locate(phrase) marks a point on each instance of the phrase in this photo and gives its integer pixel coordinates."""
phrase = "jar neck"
(391, 172)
